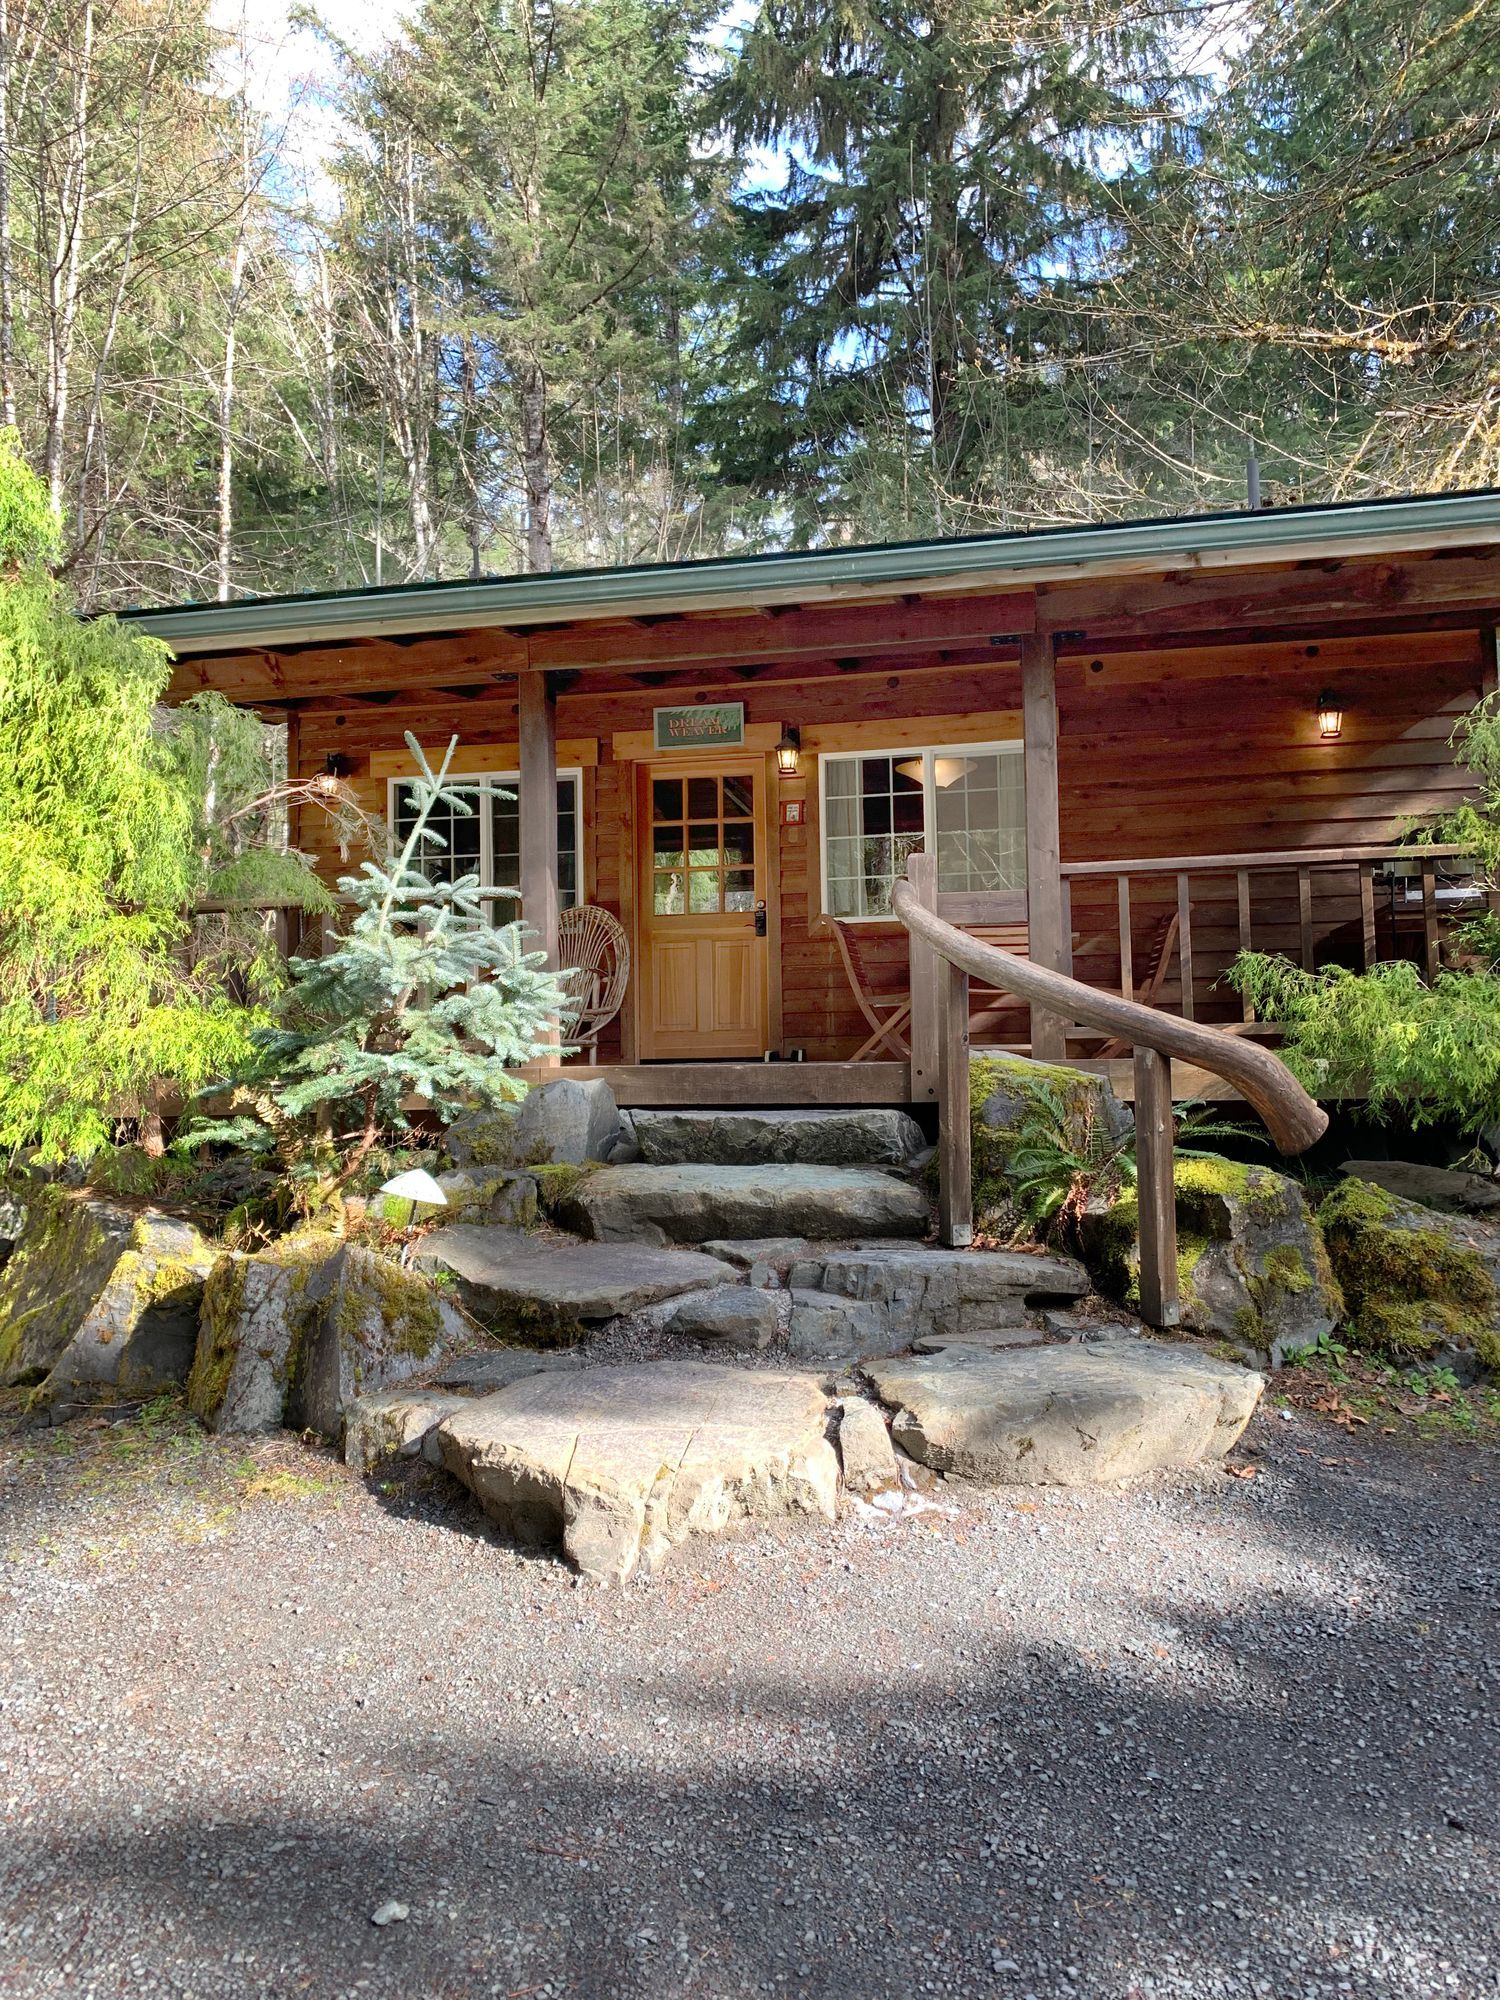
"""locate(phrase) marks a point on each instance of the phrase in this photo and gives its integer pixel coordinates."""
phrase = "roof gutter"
(990, 563)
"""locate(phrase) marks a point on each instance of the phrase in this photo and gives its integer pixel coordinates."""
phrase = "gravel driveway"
(1212, 1736)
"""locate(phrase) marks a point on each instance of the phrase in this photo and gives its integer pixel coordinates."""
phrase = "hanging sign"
(718, 725)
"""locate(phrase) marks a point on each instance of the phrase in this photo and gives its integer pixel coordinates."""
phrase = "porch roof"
(1018, 561)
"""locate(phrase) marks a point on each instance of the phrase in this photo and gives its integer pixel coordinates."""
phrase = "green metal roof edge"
(1023, 556)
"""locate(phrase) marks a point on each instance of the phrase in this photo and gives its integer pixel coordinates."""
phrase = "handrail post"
(1156, 1192)
(955, 1167)
(921, 872)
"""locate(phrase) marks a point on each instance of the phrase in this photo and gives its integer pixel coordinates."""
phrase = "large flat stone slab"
(748, 1138)
(535, 1289)
(694, 1204)
(876, 1299)
(1065, 1416)
(619, 1464)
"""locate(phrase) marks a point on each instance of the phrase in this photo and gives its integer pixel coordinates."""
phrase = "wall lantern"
(789, 751)
(1330, 717)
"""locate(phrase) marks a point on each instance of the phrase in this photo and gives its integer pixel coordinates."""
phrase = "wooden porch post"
(1050, 944)
(538, 812)
(926, 975)
(1156, 1189)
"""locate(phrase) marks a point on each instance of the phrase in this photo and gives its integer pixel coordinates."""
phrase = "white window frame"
(506, 781)
(902, 753)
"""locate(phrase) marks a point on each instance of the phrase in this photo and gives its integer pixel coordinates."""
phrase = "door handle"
(760, 920)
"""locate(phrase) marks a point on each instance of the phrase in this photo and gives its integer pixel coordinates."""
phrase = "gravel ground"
(1210, 1736)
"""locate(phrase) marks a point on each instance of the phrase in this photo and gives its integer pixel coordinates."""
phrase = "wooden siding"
(1162, 752)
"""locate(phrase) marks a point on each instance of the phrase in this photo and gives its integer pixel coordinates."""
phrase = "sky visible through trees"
(309, 300)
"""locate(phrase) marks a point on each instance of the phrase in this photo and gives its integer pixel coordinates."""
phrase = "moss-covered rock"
(294, 1333)
(1012, 1095)
(489, 1194)
(98, 1300)
(1417, 1282)
(1251, 1264)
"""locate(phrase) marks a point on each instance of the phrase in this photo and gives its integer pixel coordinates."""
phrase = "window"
(702, 845)
(878, 809)
(487, 841)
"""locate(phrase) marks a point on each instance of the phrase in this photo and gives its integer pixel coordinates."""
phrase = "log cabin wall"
(1163, 752)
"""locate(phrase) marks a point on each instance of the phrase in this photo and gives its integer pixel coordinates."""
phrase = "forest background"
(290, 303)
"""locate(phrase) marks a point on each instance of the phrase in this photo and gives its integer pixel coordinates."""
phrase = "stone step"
(530, 1288)
(878, 1298)
(1065, 1416)
(698, 1203)
(620, 1463)
(879, 1137)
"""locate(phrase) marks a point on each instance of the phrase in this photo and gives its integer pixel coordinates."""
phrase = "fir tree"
(424, 996)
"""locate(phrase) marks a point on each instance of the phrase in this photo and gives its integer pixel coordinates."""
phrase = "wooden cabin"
(1131, 749)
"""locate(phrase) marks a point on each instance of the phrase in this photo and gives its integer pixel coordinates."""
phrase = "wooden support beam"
(537, 808)
(1185, 942)
(1242, 897)
(921, 872)
(1156, 1191)
(1430, 956)
(1049, 945)
(955, 1165)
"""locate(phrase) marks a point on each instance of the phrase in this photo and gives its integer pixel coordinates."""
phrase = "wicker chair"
(594, 952)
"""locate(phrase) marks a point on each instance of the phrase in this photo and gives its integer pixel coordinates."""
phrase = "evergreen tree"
(909, 294)
(422, 996)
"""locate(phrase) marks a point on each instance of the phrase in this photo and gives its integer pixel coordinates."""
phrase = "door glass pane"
(739, 844)
(666, 847)
(703, 889)
(739, 889)
(666, 895)
(703, 797)
(703, 845)
(739, 798)
(666, 798)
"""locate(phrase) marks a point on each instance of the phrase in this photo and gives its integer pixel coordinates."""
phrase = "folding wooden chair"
(889, 1014)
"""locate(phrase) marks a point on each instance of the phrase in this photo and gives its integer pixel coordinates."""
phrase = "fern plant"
(423, 997)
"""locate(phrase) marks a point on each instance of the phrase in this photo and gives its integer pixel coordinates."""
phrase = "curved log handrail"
(1293, 1119)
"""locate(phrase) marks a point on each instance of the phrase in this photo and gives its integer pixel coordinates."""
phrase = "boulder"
(98, 1299)
(535, 1290)
(295, 1333)
(484, 1138)
(1417, 1282)
(762, 1254)
(567, 1123)
(620, 1464)
(1066, 1416)
(695, 1204)
(866, 1454)
(1251, 1263)
(1445, 1188)
(396, 1423)
(733, 1317)
(878, 1298)
(1013, 1096)
(751, 1138)
(490, 1194)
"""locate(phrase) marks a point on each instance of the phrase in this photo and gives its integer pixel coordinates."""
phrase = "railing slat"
(1304, 916)
(1185, 942)
(1242, 899)
(955, 1166)
(1368, 944)
(1429, 915)
(1127, 949)
(1156, 1191)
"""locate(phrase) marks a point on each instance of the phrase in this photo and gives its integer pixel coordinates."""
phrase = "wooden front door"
(702, 896)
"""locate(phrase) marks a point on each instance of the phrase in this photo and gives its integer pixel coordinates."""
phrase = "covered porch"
(1130, 752)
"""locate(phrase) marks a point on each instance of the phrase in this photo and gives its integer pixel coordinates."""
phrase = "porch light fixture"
(1330, 717)
(789, 751)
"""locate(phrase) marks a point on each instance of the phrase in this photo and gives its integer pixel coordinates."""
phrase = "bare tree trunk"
(225, 549)
(63, 285)
(536, 468)
(7, 285)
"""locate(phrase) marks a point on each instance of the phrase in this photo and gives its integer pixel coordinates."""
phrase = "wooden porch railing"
(944, 959)
(1338, 905)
